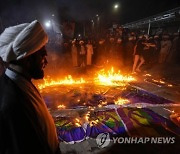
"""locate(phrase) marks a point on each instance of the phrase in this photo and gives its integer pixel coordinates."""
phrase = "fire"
(170, 85)
(61, 106)
(67, 81)
(91, 108)
(109, 78)
(161, 82)
(113, 79)
(77, 122)
(93, 122)
(87, 116)
(147, 75)
(121, 101)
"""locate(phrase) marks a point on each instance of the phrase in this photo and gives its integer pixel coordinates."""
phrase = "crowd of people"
(126, 50)
(130, 50)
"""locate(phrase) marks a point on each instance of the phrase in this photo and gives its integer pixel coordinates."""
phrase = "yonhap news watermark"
(144, 140)
(103, 140)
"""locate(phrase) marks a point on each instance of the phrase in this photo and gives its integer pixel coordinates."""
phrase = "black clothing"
(20, 131)
(140, 48)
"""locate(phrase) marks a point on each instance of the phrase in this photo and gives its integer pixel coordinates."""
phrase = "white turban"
(20, 41)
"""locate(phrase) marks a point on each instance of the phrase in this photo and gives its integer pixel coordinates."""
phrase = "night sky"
(18, 11)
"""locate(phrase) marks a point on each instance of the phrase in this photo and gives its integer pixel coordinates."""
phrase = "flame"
(67, 81)
(121, 101)
(61, 106)
(87, 116)
(170, 85)
(162, 82)
(109, 78)
(112, 78)
(77, 122)
(93, 122)
(147, 75)
(103, 103)
(99, 105)
(91, 108)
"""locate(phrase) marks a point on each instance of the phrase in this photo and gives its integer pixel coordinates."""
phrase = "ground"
(166, 73)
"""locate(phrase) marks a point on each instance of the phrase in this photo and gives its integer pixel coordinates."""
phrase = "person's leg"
(161, 58)
(140, 64)
(165, 60)
(136, 58)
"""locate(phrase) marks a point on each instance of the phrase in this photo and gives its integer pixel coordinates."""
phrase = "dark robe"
(20, 130)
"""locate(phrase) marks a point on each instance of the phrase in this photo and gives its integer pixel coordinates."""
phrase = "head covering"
(150, 38)
(156, 36)
(119, 40)
(73, 41)
(22, 40)
(146, 36)
(176, 34)
(111, 39)
(165, 36)
(140, 36)
(101, 41)
(130, 38)
(81, 42)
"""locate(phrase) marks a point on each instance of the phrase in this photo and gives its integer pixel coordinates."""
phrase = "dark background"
(18, 11)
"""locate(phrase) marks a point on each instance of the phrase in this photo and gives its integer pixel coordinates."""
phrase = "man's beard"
(36, 73)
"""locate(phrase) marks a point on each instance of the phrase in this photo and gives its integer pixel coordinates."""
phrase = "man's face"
(38, 62)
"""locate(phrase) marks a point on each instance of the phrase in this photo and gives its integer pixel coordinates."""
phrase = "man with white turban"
(26, 126)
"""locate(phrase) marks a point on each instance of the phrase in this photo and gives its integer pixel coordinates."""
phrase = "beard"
(36, 72)
(37, 63)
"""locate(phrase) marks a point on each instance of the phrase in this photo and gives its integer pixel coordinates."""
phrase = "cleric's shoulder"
(9, 94)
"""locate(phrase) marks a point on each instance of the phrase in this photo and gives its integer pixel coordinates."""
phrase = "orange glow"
(93, 122)
(91, 108)
(99, 105)
(121, 101)
(61, 106)
(112, 79)
(170, 85)
(77, 122)
(109, 78)
(87, 116)
(162, 82)
(67, 81)
(148, 75)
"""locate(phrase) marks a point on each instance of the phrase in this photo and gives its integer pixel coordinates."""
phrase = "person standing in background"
(74, 53)
(82, 54)
(90, 52)
(165, 49)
